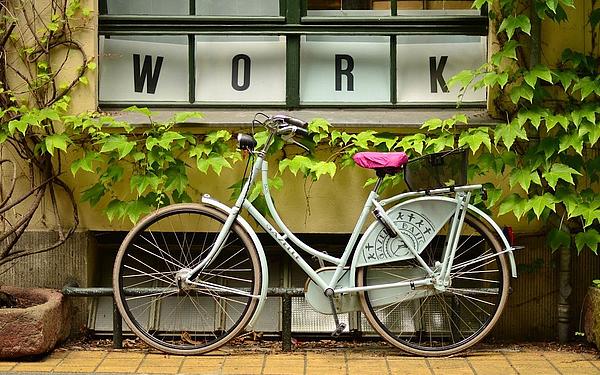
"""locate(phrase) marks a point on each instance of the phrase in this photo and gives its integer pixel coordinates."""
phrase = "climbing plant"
(546, 144)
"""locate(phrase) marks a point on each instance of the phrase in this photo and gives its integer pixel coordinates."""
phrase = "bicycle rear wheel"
(179, 318)
(426, 321)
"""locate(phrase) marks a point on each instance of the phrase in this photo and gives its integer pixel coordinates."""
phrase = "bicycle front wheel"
(430, 322)
(181, 318)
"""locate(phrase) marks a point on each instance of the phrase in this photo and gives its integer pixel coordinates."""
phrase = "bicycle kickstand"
(339, 327)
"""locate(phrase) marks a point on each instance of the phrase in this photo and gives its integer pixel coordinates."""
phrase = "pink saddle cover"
(380, 160)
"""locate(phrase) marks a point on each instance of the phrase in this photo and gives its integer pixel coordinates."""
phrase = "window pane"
(382, 7)
(147, 7)
(348, 8)
(433, 4)
(237, 7)
(426, 63)
(240, 69)
(345, 69)
(144, 68)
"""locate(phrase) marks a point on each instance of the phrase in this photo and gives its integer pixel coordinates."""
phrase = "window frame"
(291, 23)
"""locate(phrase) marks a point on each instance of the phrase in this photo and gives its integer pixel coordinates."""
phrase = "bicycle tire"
(193, 319)
(442, 323)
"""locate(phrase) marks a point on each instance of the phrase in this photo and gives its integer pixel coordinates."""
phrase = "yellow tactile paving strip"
(343, 362)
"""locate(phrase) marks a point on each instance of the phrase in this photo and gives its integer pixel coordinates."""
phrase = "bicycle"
(430, 274)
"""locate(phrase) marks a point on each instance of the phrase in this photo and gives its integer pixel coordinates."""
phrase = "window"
(292, 53)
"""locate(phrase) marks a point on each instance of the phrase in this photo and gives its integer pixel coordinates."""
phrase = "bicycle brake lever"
(300, 145)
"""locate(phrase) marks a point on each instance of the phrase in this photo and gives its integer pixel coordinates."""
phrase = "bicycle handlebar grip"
(297, 122)
(291, 121)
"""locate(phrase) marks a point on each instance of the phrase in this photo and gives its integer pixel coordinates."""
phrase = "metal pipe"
(117, 328)
(286, 323)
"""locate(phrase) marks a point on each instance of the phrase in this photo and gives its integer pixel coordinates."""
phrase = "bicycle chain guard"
(419, 220)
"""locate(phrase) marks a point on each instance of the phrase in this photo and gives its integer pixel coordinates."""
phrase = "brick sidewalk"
(500, 362)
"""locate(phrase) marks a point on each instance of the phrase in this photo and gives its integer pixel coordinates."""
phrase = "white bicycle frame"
(260, 167)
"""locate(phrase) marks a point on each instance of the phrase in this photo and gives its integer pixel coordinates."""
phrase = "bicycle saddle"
(385, 162)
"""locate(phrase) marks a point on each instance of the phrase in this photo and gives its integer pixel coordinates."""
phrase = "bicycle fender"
(419, 219)
(207, 200)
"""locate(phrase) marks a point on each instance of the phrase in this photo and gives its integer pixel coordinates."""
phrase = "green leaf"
(136, 209)
(511, 23)
(514, 204)
(552, 120)
(144, 111)
(114, 173)
(56, 141)
(216, 136)
(318, 125)
(118, 143)
(478, 4)
(494, 195)
(524, 177)
(84, 80)
(116, 209)
(540, 202)
(297, 164)
(440, 143)
(432, 124)
(571, 140)
(93, 194)
(413, 142)
(589, 238)
(508, 52)
(141, 182)
(588, 211)
(85, 163)
(92, 66)
(566, 78)
(167, 138)
(522, 91)
(176, 178)
(362, 139)
(462, 79)
(19, 125)
(538, 72)
(474, 138)
(560, 172)
(587, 86)
(322, 168)
(591, 130)
(184, 116)
(216, 162)
(50, 113)
(558, 238)
(507, 133)
(548, 147)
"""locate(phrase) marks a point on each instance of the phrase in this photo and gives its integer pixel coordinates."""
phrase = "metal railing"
(285, 294)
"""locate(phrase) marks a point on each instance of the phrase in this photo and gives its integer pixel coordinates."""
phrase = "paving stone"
(408, 366)
(203, 361)
(241, 369)
(250, 361)
(158, 370)
(326, 370)
(125, 355)
(75, 368)
(120, 365)
(86, 355)
(192, 370)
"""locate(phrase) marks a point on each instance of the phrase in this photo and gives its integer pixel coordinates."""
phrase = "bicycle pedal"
(338, 331)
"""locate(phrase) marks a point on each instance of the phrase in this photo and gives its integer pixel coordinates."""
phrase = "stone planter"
(591, 319)
(33, 330)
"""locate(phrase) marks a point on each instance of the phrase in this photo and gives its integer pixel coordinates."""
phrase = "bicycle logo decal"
(417, 228)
